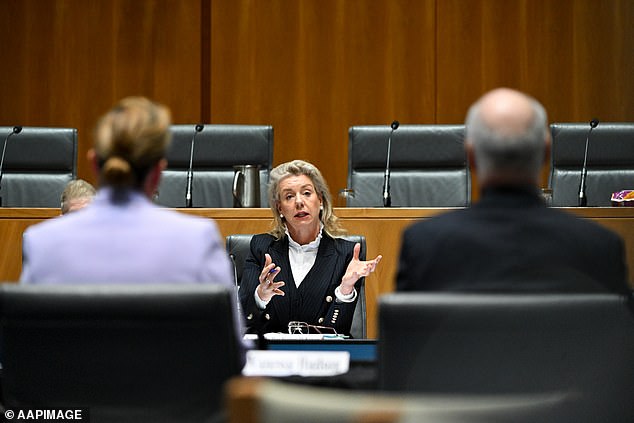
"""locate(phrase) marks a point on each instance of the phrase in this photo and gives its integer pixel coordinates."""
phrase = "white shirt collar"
(313, 245)
(302, 257)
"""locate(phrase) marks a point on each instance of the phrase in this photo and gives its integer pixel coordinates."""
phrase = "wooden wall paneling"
(149, 48)
(477, 50)
(548, 56)
(37, 78)
(72, 60)
(176, 59)
(13, 223)
(313, 68)
(603, 61)
(579, 58)
(575, 56)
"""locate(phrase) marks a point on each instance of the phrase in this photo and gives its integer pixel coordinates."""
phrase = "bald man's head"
(507, 138)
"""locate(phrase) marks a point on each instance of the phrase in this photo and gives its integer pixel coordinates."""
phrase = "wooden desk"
(382, 228)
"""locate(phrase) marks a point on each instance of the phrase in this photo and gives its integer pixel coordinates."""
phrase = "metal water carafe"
(246, 186)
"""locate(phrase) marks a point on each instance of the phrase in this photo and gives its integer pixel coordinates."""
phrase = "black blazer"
(314, 302)
(510, 241)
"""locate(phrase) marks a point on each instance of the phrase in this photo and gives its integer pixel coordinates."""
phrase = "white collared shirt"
(302, 258)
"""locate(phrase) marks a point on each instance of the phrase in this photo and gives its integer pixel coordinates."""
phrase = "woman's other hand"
(357, 269)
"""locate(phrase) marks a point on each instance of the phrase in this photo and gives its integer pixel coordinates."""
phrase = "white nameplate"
(301, 363)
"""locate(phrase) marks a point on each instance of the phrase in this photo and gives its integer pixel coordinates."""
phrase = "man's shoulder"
(445, 220)
(563, 218)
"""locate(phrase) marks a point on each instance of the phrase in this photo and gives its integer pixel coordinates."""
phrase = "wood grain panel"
(603, 60)
(575, 56)
(13, 223)
(68, 61)
(313, 68)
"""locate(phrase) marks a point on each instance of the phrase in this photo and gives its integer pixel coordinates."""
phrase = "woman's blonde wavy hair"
(297, 168)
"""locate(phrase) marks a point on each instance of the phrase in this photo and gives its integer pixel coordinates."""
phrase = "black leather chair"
(217, 149)
(238, 246)
(428, 166)
(610, 162)
(127, 353)
(38, 163)
(579, 345)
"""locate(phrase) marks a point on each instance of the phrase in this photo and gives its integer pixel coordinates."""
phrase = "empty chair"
(428, 166)
(217, 148)
(578, 345)
(127, 353)
(238, 246)
(610, 162)
(38, 163)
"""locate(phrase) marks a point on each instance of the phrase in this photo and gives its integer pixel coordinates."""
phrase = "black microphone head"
(395, 125)
(594, 122)
(199, 127)
(17, 129)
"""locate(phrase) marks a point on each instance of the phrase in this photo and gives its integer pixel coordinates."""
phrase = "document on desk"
(275, 336)
(296, 363)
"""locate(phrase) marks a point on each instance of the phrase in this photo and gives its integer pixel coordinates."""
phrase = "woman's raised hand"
(268, 288)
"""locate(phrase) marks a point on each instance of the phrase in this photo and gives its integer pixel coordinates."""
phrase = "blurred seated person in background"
(301, 270)
(77, 195)
(510, 240)
(123, 237)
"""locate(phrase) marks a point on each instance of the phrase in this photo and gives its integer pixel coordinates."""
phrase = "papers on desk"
(272, 336)
(301, 363)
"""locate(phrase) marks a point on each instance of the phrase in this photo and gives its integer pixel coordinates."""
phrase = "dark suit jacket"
(510, 241)
(314, 302)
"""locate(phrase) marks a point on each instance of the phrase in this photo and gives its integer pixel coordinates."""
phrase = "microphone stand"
(15, 130)
(583, 199)
(387, 198)
(190, 170)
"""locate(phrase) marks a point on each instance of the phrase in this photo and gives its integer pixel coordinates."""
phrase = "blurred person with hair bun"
(123, 237)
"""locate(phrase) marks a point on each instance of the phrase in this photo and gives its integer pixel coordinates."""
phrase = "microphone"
(583, 200)
(190, 171)
(15, 130)
(387, 199)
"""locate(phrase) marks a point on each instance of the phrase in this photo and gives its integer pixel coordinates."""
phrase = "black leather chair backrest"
(38, 163)
(217, 149)
(610, 162)
(487, 344)
(128, 353)
(238, 246)
(428, 166)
